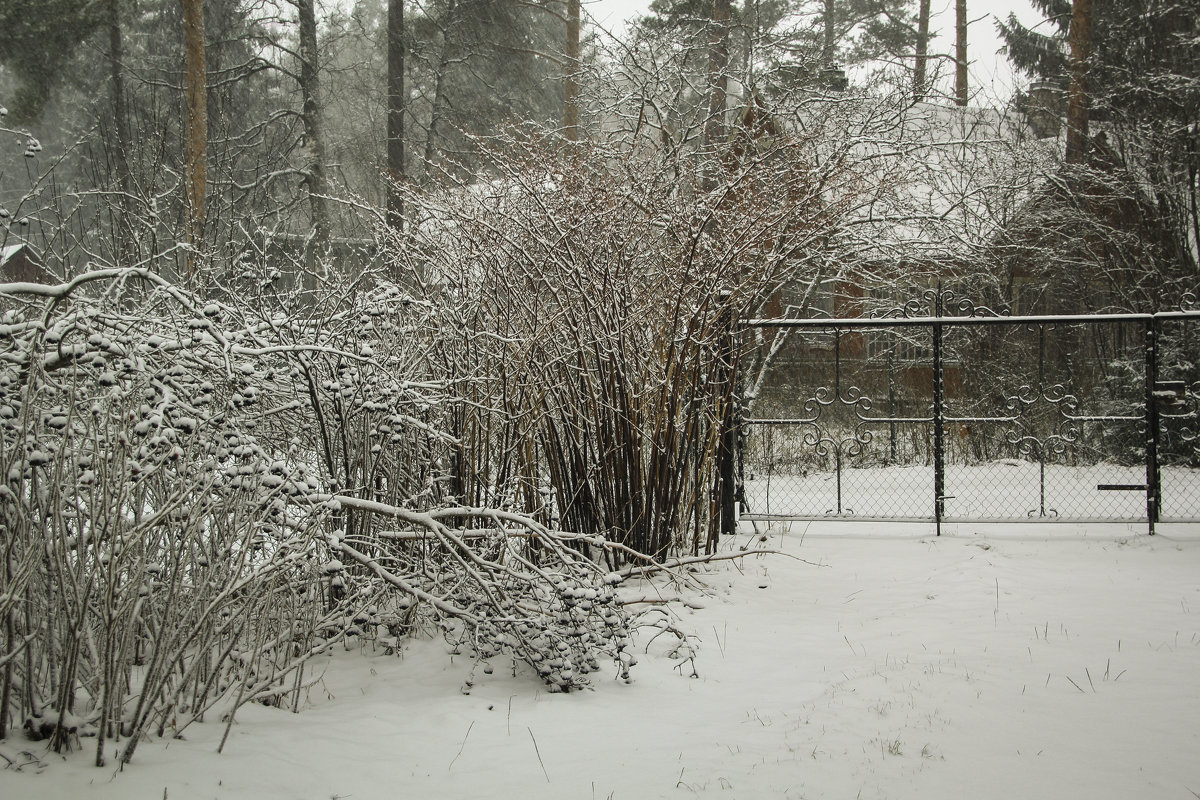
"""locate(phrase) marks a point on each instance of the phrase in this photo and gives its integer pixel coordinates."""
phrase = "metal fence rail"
(980, 417)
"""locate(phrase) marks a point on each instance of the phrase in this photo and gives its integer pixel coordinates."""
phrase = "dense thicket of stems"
(201, 495)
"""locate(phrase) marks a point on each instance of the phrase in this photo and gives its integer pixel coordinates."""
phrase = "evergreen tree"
(1140, 86)
(825, 31)
(476, 66)
(1144, 65)
(37, 39)
(798, 41)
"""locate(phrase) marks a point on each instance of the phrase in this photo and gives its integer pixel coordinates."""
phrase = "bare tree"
(960, 52)
(920, 71)
(1078, 97)
(397, 101)
(197, 123)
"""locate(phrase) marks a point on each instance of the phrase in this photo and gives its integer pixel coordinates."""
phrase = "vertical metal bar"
(837, 396)
(1153, 492)
(939, 468)
(891, 366)
(1042, 482)
(726, 459)
(1041, 448)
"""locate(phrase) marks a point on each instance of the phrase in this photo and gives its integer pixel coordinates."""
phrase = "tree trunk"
(960, 52)
(1193, 185)
(718, 65)
(436, 102)
(1077, 97)
(571, 80)
(920, 72)
(396, 102)
(116, 89)
(119, 143)
(829, 38)
(197, 124)
(9, 646)
(314, 170)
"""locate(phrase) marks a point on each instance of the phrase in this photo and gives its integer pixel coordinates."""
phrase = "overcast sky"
(989, 70)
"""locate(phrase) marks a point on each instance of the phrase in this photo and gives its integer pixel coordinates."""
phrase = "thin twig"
(461, 746)
(539, 753)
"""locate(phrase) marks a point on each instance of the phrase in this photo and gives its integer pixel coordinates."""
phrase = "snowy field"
(1006, 662)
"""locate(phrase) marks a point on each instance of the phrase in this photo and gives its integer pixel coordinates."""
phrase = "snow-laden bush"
(195, 496)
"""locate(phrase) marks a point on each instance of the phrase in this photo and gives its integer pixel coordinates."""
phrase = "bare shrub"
(593, 292)
(183, 478)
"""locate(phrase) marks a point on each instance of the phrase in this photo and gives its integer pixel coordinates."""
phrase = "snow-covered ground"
(1002, 662)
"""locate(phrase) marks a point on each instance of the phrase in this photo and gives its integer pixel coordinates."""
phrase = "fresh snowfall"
(858, 660)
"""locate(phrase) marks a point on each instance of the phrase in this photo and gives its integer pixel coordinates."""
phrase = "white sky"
(989, 70)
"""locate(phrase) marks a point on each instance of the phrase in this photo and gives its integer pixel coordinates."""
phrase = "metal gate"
(978, 417)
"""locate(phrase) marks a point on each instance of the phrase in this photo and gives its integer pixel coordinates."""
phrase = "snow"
(994, 662)
(8, 251)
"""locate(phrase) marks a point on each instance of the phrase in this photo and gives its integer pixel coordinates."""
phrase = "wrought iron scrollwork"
(826, 443)
(1053, 443)
(938, 303)
(828, 440)
(1187, 411)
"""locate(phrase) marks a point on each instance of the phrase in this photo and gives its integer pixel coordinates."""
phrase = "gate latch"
(1169, 395)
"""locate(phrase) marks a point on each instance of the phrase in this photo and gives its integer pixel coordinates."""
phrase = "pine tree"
(1144, 63)
(1134, 117)
(818, 32)
(37, 39)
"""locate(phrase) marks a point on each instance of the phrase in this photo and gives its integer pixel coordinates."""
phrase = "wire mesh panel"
(1177, 395)
(852, 431)
(1045, 420)
(785, 476)
(996, 418)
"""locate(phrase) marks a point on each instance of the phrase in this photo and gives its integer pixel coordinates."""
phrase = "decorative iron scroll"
(1028, 399)
(1185, 407)
(1018, 409)
(939, 303)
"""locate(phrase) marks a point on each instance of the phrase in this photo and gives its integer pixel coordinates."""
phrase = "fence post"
(1041, 446)
(1153, 491)
(837, 396)
(891, 365)
(727, 441)
(939, 449)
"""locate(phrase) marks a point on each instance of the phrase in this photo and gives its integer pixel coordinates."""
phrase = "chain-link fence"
(979, 418)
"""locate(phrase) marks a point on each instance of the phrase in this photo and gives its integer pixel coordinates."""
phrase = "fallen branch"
(653, 566)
